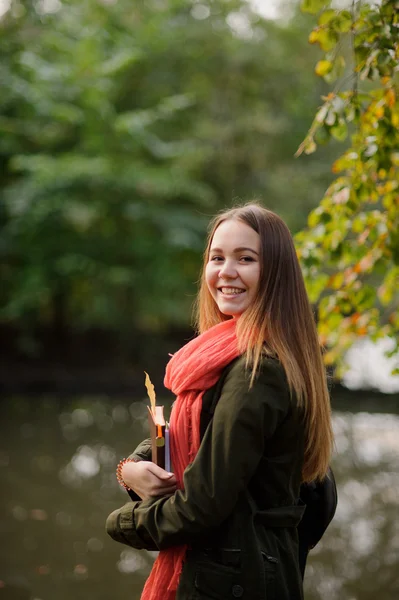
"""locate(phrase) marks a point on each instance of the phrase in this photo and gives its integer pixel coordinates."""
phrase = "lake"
(57, 469)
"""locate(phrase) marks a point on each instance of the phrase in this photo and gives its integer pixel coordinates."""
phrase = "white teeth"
(232, 291)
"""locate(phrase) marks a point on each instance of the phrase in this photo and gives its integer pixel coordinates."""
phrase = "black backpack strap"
(320, 498)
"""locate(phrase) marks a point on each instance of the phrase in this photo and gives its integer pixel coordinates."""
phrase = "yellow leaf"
(336, 281)
(150, 391)
(330, 357)
(323, 67)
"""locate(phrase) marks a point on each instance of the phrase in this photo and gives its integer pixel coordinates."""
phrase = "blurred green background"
(124, 126)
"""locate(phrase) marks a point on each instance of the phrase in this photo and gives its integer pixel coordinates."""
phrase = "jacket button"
(237, 591)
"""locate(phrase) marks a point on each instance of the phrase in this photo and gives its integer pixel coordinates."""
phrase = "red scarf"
(192, 370)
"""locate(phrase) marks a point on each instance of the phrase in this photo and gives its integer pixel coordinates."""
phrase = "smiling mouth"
(228, 291)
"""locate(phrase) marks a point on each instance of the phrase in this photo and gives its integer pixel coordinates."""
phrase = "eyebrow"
(240, 249)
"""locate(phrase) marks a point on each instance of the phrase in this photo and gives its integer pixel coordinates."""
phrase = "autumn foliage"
(350, 249)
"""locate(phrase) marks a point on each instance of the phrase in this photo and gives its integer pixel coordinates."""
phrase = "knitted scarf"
(191, 371)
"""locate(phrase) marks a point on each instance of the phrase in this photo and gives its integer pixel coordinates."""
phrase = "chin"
(231, 312)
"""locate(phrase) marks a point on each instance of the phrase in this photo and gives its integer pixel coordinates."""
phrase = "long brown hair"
(279, 322)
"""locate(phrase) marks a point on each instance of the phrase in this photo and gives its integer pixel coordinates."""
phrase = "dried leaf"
(150, 391)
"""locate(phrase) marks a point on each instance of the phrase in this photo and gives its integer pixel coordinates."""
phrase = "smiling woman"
(250, 423)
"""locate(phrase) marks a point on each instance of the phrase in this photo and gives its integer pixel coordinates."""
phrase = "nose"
(228, 270)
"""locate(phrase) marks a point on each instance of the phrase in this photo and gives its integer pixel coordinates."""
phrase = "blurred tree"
(123, 127)
(350, 250)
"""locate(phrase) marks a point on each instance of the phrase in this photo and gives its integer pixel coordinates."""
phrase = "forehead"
(233, 233)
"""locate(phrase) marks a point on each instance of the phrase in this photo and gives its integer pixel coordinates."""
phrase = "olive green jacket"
(238, 510)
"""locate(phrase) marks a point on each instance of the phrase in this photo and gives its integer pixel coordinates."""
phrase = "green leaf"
(316, 287)
(326, 16)
(365, 298)
(326, 38)
(359, 222)
(322, 135)
(334, 320)
(120, 62)
(339, 131)
(336, 70)
(313, 6)
(343, 21)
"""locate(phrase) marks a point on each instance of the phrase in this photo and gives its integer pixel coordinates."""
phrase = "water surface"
(57, 469)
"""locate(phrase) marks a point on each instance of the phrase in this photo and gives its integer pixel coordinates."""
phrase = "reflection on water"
(359, 556)
(57, 469)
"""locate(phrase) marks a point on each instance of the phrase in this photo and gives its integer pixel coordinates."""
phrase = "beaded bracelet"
(119, 471)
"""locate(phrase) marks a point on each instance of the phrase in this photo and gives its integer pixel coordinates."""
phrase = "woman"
(250, 423)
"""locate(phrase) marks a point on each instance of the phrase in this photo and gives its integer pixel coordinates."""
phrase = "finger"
(160, 473)
(170, 480)
(166, 485)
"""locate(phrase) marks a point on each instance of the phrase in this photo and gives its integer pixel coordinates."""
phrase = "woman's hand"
(147, 479)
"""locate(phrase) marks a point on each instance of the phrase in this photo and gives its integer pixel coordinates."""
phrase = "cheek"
(255, 279)
(210, 276)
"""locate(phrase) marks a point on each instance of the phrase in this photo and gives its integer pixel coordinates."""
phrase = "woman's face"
(233, 269)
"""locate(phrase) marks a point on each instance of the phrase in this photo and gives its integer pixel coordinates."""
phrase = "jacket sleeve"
(228, 457)
(143, 451)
